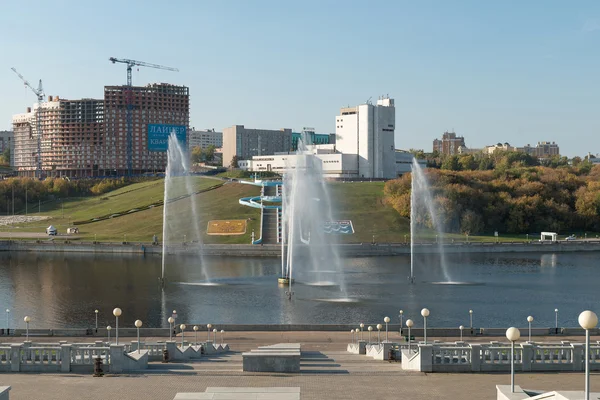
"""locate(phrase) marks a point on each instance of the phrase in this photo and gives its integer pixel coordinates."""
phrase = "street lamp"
(386, 320)
(117, 313)
(401, 318)
(96, 311)
(215, 336)
(208, 327)
(7, 320)
(425, 314)
(108, 328)
(361, 330)
(409, 324)
(195, 335)
(352, 336)
(471, 317)
(379, 333)
(27, 319)
(461, 331)
(556, 319)
(370, 328)
(138, 325)
(512, 334)
(530, 320)
(182, 327)
(587, 320)
(171, 320)
(222, 335)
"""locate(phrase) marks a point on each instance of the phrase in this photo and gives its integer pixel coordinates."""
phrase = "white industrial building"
(364, 148)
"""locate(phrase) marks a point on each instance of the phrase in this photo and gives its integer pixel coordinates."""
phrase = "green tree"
(467, 162)
(450, 163)
(209, 153)
(471, 223)
(234, 162)
(196, 155)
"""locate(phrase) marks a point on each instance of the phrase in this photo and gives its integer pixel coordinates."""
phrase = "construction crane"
(39, 92)
(128, 97)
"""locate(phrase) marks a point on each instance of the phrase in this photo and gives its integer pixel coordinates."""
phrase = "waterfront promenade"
(327, 372)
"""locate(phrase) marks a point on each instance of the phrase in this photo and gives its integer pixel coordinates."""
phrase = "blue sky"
(516, 71)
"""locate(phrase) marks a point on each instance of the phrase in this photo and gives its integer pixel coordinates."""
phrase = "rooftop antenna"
(369, 100)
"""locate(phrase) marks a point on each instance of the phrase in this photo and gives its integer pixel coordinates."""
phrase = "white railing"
(40, 355)
(451, 355)
(4, 355)
(87, 355)
(498, 354)
(552, 354)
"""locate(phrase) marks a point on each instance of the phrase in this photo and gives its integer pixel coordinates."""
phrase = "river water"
(62, 290)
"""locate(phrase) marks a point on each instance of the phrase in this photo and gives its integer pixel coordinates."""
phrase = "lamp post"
(215, 336)
(195, 335)
(27, 319)
(386, 320)
(587, 320)
(379, 333)
(530, 320)
(117, 313)
(182, 327)
(471, 318)
(108, 328)
(512, 334)
(208, 326)
(461, 332)
(370, 328)
(409, 324)
(425, 314)
(171, 320)
(222, 336)
(556, 319)
(352, 336)
(361, 330)
(138, 325)
(401, 318)
(7, 319)
(96, 312)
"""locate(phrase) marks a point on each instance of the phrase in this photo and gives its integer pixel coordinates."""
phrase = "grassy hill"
(361, 202)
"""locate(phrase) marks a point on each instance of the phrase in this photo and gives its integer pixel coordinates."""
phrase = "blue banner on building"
(158, 136)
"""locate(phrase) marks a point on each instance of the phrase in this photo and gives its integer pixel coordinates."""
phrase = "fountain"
(306, 206)
(180, 223)
(423, 211)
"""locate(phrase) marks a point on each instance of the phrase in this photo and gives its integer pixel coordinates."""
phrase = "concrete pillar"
(15, 357)
(65, 358)
(426, 357)
(117, 358)
(171, 347)
(476, 358)
(527, 357)
(578, 356)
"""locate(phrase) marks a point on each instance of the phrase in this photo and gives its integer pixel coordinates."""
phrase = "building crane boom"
(39, 92)
(130, 64)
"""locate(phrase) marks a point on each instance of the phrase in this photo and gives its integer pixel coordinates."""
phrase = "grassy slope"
(362, 202)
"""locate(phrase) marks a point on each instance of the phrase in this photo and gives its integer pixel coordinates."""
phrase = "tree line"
(15, 191)
(513, 198)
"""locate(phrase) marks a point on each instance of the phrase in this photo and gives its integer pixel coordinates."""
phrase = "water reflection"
(63, 290)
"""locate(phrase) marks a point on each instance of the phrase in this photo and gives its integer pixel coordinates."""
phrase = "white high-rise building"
(367, 131)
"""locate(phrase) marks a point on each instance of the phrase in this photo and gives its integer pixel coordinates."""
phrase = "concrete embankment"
(347, 250)
(417, 332)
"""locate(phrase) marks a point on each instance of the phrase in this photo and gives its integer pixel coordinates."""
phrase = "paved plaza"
(327, 372)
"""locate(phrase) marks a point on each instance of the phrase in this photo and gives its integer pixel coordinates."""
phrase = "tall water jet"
(423, 212)
(180, 224)
(306, 207)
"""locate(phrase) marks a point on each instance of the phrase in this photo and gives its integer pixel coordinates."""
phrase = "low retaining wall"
(274, 250)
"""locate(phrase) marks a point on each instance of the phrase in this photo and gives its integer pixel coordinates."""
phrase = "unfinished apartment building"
(152, 104)
(88, 137)
(71, 142)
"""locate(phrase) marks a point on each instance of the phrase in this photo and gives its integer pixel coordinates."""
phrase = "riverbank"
(345, 250)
